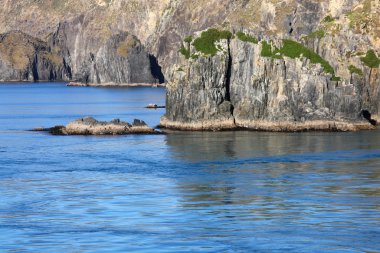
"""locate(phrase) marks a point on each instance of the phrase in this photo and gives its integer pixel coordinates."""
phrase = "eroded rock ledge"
(112, 84)
(91, 126)
(270, 126)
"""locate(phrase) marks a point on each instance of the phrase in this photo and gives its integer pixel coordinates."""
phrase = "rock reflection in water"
(211, 146)
(280, 184)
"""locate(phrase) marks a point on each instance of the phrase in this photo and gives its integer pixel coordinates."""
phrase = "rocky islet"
(91, 126)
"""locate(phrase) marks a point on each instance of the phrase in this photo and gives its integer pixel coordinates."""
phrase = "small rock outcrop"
(91, 126)
(154, 106)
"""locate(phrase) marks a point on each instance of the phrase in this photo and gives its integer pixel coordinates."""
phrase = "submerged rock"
(91, 126)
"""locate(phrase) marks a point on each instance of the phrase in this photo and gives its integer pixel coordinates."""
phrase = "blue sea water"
(182, 192)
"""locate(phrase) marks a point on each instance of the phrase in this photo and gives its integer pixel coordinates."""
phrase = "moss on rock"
(246, 38)
(371, 60)
(355, 70)
(293, 49)
(206, 42)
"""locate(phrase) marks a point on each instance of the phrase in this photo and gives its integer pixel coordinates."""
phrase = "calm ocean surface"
(183, 192)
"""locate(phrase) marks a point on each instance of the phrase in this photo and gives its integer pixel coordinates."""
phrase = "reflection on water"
(182, 192)
(241, 144)
(319, 191)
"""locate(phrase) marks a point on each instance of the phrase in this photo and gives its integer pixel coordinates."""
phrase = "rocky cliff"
(23, 57)
(100, 41)
(245, 86)
(298, 63)
(321, 74)
(120, 58)
(161, 25)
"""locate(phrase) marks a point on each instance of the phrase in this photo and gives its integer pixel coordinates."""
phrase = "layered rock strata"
(263, 84)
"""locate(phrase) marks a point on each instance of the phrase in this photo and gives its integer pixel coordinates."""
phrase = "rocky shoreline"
(111, 84)
(268, 126)
(91, 126)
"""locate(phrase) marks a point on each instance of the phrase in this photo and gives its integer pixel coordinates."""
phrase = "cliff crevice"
(270, 84)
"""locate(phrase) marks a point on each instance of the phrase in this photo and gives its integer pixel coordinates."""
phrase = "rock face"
(91, 126)
(122, 59)
(303, 64)
(96, 39)
(119, 59)
(161, 25)
(23, 57)
(199, 99)
(246, 86)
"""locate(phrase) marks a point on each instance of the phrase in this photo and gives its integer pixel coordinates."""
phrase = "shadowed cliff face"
(120, 59)
(92, 35)
(23, 57)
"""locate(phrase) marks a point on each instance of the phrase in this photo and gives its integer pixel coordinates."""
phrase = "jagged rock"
(91, 126)
(139, 123)
(240, 88)
(58, 130)
(25, 58)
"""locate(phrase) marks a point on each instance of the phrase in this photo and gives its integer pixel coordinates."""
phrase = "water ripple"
(183, 192)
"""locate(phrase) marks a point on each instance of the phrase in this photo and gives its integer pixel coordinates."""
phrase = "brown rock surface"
(91, 126)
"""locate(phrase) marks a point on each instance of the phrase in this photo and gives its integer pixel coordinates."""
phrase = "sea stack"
(245, 80)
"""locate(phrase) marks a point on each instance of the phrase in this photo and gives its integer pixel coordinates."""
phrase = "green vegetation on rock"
(206, 42)
(189, 39)
(317, 34)
(371, 60)
(355, 70)
(270, 51)
(335, 78)
(266, 49)
(184, 51)
(194, 56)
(294, 50)
(328, 19)
(360, 17)
(246, 38)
